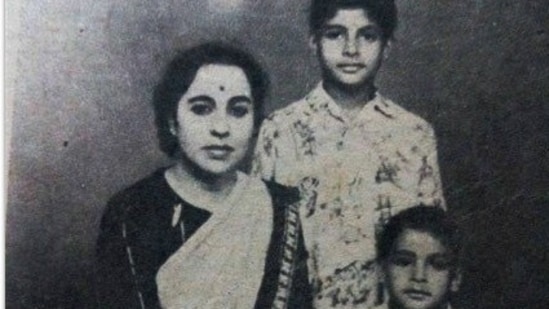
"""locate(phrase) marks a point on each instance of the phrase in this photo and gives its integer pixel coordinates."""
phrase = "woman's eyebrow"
(201, 98)
(239, 99)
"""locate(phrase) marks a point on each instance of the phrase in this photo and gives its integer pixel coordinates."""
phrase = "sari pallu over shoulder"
(286, 281)
(251, 255)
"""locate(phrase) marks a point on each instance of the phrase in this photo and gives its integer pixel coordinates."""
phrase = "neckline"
(202, 202)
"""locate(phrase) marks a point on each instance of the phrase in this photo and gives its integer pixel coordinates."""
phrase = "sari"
(157, 247)
(222, 264)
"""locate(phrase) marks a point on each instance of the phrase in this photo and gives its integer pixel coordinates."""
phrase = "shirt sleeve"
(429, 184)
(265, 155)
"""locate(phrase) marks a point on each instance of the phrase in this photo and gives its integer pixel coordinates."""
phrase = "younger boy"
(357, 155)
(418, 253)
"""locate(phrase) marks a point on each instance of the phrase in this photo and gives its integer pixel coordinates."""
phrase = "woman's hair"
(431, 220)
(382, 12)
(180, 74)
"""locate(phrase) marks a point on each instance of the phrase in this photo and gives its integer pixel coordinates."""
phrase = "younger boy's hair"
(382, 12)
(432, 220)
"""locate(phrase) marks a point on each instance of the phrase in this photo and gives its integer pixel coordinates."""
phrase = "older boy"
(418, 252)
(357, 155)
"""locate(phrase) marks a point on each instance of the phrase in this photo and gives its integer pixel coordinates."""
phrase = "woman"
(201, 234)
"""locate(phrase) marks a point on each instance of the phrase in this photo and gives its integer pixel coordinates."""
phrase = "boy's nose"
(351, 47)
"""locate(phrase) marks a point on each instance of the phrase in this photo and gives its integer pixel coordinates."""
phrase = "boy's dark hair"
(432, 220)
(180, 74)
(382, 12)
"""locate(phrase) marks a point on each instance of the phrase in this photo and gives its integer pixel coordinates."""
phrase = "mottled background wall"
(80, 76)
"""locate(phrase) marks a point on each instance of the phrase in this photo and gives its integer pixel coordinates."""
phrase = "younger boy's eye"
(402, 260)
(440, 263)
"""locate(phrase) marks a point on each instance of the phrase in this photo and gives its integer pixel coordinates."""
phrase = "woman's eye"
(239, 110)
(201, 109)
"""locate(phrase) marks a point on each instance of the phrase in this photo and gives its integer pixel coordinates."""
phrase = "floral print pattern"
(354, 174)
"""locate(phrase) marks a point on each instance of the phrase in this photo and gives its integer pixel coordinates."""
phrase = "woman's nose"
(220, 127)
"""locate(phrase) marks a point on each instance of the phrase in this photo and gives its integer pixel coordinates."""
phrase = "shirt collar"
(319, 99)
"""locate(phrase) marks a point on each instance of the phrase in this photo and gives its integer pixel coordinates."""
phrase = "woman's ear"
(455, 282)
(173, 127)
(387, 49)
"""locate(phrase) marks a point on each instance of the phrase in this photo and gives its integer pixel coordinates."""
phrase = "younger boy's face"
(350, 48)
(418, 272)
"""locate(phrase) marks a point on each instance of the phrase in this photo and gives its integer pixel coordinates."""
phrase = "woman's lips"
(218, 152)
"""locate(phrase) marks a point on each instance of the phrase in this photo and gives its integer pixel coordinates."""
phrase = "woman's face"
(215, 119)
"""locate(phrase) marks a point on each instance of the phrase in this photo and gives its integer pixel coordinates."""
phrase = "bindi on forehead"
(222, 88)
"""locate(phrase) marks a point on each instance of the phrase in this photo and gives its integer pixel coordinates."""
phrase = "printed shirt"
(354, 174)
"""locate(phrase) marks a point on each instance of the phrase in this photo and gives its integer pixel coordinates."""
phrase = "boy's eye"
(239, 110)
(333, 34)
(201, 109)
(370, 35)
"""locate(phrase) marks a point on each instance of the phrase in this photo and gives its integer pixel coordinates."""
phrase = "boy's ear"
(381, 267)
(455, 283)
(313, 43)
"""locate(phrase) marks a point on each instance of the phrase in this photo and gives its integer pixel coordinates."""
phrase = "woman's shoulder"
(147, 186)
(150, 190)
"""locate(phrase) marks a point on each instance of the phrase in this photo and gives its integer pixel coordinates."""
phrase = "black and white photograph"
(376, 154)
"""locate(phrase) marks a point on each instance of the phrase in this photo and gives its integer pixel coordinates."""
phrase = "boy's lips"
(351, 67)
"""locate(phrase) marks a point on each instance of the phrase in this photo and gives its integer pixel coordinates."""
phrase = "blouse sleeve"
(114, 280)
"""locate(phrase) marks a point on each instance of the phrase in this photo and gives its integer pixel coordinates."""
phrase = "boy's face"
(350, 48)
(418, 272)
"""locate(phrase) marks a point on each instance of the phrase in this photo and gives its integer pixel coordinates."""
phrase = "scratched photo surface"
(80, 126)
